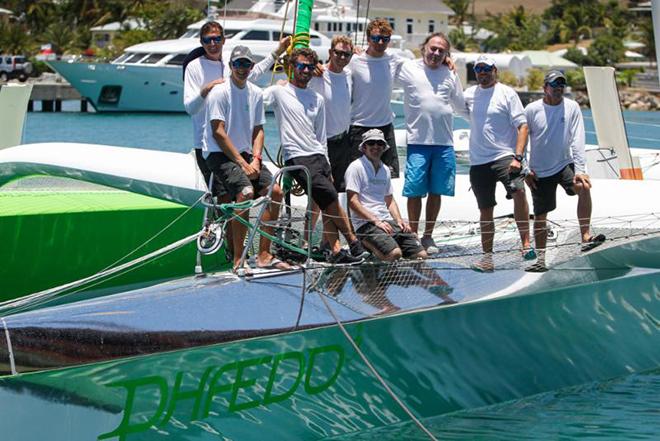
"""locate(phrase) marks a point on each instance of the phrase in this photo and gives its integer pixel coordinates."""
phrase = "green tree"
(606, 50)
(514, 31)
(460, 8)
(575, 79)
(461, 41)
(534, 79)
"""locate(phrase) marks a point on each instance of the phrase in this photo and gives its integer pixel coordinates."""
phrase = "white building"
(414, 20)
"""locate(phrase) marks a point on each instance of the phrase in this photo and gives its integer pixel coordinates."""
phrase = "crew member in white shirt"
(498, 135)
(335, 87)
(206, 72)
(374, 212)
(300, 113)
(556, 157)
(233, 145)
(432, 93)
(373, 74)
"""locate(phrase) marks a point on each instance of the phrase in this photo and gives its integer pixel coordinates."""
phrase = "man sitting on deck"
(235, 139)
(374, 212)
(300, 113)
(556, 135)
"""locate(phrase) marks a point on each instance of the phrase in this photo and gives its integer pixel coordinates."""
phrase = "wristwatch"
(518, 158)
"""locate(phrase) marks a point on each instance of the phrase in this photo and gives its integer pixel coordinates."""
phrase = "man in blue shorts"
(432, 93)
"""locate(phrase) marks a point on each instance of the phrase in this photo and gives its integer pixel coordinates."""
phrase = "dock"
(51, 93)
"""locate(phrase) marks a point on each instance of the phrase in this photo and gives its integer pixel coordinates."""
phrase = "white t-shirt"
(373, 78)
(300, 114)
(371, 186)
(431, 96)
(556, 136)
(199, 73)
(335, 88)
(495, 115)
(241, 110)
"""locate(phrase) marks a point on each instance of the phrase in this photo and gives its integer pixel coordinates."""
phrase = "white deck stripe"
(9, 348)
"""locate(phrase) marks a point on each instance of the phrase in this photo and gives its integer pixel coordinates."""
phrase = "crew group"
(336, 120)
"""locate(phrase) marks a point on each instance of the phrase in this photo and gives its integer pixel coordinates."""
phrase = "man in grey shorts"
(374, 211)
(234, 137)
(556, 134)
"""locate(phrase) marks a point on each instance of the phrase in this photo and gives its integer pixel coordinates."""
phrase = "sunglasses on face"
(379, 38)
(216, 39)
(557, 83)
(484, 68)
(342, 53)
(241, 63)
(304, 66)
(374, 144)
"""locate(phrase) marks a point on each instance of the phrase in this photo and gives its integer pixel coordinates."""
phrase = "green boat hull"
(52, 238)
(311, 384)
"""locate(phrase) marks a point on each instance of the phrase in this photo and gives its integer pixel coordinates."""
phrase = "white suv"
(14, 66)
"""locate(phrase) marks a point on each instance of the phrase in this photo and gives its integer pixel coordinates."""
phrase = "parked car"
(14, 66)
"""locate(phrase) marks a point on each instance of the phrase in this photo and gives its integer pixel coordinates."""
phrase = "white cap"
(373, 135)
(485, 59)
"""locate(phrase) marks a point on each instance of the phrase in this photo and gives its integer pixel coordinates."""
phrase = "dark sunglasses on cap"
(303, 66)
(483, 68)
(216, 39)
(342, 53)
(374, 143)
(379, 38)
(557, 83)
(242, 63)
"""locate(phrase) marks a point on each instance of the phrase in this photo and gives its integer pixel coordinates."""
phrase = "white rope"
(12, 363)
(46, 294)
(373, 370)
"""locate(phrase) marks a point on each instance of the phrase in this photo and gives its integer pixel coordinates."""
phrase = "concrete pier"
(52, 93)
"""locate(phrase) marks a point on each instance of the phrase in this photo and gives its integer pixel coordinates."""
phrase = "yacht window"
(177, 60)
(431, 26)
(257, 35)
(341, 27)
(153, 58)
(409, 25)
(329, 27)
(134, 58)
(334, 27)
(122, 57)
(231, 32)
(276, 35)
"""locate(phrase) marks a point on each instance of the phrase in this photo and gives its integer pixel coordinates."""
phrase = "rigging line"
(366, 16)
(224, 14)
(10, 350)
(357, 23)
(373, 370)
(272, 77)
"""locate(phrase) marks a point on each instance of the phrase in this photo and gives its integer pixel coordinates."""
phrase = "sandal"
(593, 242)
(275, 263)
(529, 254)
(484, 265)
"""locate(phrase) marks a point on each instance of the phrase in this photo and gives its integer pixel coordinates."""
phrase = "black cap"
(553, 75)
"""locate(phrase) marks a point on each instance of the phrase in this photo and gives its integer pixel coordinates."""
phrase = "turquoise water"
(620, 409)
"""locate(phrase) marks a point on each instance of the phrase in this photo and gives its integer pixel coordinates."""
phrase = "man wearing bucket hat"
(498, 134)
(556, 157)
(374, 212)
(234, 140)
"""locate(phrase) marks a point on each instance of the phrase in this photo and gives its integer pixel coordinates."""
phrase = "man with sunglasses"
(300, 114)
(556, 157)
(432, 94)
(234, 141)
(335, 88)
(498, 134)
(374, 212)
(373, 74)
(205, 72)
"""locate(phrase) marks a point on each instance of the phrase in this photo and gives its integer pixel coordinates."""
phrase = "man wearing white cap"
(374, 212)
(498, 134)
(234, 140)
(556, 157)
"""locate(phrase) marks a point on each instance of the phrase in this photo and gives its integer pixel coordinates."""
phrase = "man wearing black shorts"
(556, 132)
(235, 140)
(374, 211)
(300, 113)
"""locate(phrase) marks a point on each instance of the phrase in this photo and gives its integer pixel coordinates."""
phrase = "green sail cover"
(303, 23)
